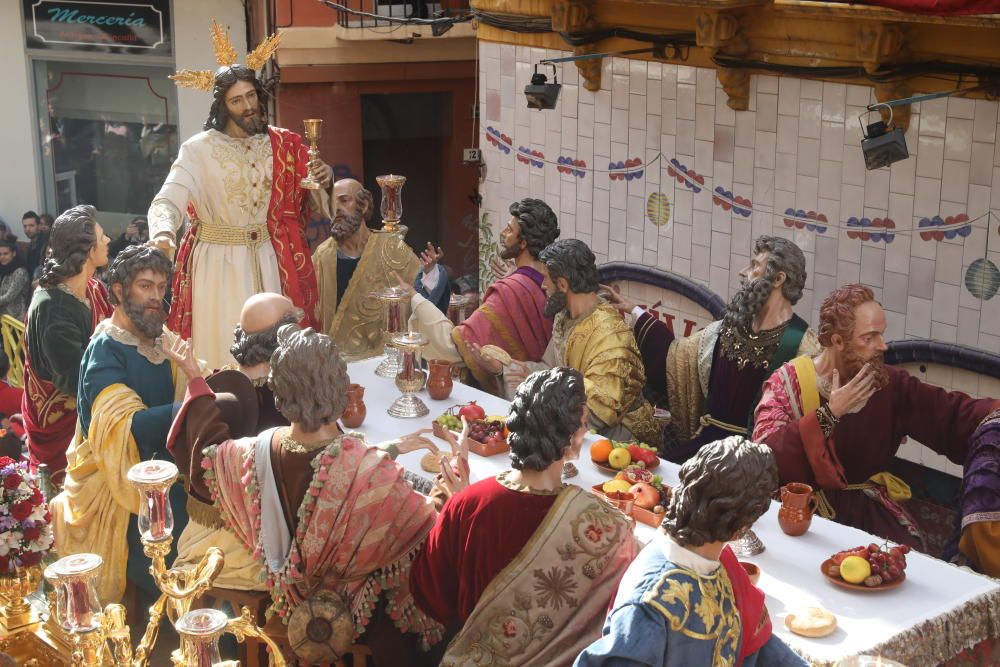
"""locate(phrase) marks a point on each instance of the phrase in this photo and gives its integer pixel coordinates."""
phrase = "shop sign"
(108, 26)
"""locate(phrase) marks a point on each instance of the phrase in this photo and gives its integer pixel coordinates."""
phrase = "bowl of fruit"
(612, 456)
(650, 494)
(867, 568)
(488, 435)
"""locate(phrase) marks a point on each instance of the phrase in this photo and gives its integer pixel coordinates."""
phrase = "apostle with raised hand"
(331, 521)
(711, 380)
(531, 591)
(355, 263)
(835, 421)
(686, 600)
(512, 315)
(125, 404)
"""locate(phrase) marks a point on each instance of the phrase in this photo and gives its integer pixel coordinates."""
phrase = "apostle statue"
(686, 600)
(126, 402)
(711, 380)
(590, 336)
(512, 315)
(835, 421)
(977, 542)
(238, 182)
(64, 310)
(355, 263)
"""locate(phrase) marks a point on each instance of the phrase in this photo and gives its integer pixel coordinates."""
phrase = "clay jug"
(354, 413)
(797, 507)
(439, 380)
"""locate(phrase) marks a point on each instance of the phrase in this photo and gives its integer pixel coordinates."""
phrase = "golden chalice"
(313, 131)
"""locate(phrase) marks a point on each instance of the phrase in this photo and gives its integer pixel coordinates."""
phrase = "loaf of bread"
(431, 462)
(811, 622)
(496, 353)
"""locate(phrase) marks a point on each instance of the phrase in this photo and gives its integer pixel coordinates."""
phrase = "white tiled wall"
(798, 147)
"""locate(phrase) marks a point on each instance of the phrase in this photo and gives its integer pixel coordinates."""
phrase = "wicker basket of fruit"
(867, 568)
(487, 435)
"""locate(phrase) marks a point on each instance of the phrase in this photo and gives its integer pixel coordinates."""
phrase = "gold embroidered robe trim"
(356, 323)
(711, 615)
(602, 347)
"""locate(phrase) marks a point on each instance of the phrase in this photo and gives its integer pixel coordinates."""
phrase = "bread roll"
(496, 353)
(811, 622)
(431, 462)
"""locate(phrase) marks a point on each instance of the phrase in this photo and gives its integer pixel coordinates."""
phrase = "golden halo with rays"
(225, 55)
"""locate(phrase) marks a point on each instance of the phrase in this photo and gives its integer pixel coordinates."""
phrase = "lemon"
(855, 569)
(619, 458)
(619, 485)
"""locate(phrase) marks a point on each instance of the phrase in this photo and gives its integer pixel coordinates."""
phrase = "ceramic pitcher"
(354, 413)
(439, 382)
(797, 507)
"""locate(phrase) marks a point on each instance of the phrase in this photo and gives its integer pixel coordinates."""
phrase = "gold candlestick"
(313, 130)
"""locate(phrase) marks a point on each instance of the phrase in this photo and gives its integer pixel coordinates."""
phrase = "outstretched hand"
(854, 395)
(165, 244)
(616, 299)
(405, 286)
(414, 441)
(181, 352)
(430, 256)
(455, 470)
(501, 268)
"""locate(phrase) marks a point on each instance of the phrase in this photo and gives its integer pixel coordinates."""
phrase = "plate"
(614, 471)
(837, 581)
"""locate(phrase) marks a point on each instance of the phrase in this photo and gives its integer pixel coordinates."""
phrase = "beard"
(854, 361)
(746, 303)
(555, 304)
(252, 125)
(346, 224)
(510, 251)
(149, 322)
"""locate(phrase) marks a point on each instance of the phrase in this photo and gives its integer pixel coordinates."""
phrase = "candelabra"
(94, 631)
(410, 378)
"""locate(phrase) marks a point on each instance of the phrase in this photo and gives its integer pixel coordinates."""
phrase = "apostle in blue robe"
(685, 600)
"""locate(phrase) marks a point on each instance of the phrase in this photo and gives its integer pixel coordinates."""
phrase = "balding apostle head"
(354, 207)
(256, 336)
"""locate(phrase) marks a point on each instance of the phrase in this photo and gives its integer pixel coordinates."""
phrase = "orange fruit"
(600, 450)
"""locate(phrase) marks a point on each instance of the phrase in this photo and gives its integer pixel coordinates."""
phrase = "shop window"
(108, 135)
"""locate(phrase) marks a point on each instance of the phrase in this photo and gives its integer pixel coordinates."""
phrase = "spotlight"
(881, 145)
(540, 93)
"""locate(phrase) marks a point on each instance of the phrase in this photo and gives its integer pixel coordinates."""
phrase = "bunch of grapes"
(450, 422)
(888, 564)
(482, 430)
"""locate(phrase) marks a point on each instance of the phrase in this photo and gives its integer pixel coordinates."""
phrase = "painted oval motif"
(982, 279)
(658, 209)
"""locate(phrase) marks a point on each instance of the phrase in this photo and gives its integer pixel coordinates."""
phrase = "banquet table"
(938, 611)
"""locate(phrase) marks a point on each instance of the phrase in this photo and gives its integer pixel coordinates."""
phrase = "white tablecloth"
(790, 576)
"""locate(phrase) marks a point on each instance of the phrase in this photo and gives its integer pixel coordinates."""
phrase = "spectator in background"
(45, 221)
(136, 233)
(38, 241)
(14, 281)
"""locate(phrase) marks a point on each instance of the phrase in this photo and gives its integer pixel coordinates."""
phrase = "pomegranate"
(646, 495)
(472, 411)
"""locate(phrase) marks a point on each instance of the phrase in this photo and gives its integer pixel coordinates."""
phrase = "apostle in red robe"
(836, 421)
(521, 562)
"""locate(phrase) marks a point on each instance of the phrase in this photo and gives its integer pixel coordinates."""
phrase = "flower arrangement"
(25, 531)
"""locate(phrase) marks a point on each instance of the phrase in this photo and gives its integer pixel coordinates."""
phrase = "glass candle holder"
(456, 308)
(153, 480)
(73, 578)
(393, 324)
(200, 630)
(410, 379)
(392, 200)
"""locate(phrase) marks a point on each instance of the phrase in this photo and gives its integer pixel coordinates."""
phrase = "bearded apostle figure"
(835, 421)
(757, 334)
(512, 315)
(238, 184)
(355, 262)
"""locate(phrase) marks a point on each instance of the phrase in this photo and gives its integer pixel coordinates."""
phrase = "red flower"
(12, 481)
(21, 510)
(5, 461)
(31, 534)
(36, 497)
(31, 557)
(48, 516)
